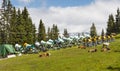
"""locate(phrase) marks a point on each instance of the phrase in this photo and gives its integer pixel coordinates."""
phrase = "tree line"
(16, 26)
(113, 25)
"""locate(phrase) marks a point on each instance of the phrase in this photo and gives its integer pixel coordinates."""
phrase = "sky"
(75, 15)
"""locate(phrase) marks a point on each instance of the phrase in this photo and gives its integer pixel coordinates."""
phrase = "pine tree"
(93, 30)
(41, 31)
(48, 33)
(20, 34)
(117, 27)
(51, 34)
(66, 33)
(78, 34)
(7, 6)
(54, 32)
(110, 25)
(17, 27)
(13, 31)
(25, 14)
(28, 26)
(2, 29)
(34, 38)
(30, 32)
(102, 33)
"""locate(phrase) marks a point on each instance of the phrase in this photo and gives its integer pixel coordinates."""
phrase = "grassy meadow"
(69, 59)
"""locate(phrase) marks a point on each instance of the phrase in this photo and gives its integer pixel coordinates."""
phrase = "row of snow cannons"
(97, 40)
(63, 42)
(44, 46)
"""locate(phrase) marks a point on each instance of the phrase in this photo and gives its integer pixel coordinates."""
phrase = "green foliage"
(41, 31)
(93, 31)
(13, 26)
(6, 16)
(66, 34)
(102, 33)
(34, 38)
(113, 26)
(110, 25)
(117, 26)
(17, 27)
(20, 29)
(49, 36)
(53, 32)
(24, 28)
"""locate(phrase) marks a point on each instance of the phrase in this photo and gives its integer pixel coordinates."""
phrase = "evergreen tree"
(48, 33)
(54, 32)
(20, 34)
(66, 33)
(102, 33)
(41, 31)
(117, 27)
(5, 29)
(16, 27)
(28, 26)
(51, 34)
(25, 14)
(13, 31)
(93, 30)
(110, 25)
(30, 32)
(2, 29)
(34, 38)
(78, 34)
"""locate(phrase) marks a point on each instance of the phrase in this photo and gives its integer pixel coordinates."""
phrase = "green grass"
(69, 59)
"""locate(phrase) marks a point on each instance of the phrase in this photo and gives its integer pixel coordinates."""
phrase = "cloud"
(26, 1)
(79, 18)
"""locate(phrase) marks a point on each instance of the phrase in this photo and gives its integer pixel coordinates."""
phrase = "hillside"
(69, 59)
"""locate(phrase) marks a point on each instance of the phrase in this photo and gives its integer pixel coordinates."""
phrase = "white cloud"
(26, 1)
(79, 18)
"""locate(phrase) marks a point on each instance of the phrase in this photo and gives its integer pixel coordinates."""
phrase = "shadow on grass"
(117, 51)
(113, 68)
